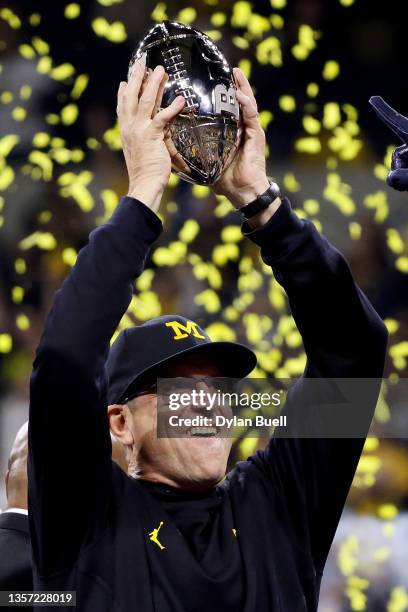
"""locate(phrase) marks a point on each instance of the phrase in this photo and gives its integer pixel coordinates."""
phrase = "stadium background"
(314, 64)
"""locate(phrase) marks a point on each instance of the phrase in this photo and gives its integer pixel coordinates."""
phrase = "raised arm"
(69, 442)
(344, 338)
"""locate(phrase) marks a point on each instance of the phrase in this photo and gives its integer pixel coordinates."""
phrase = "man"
(178, 536)
(15, 550)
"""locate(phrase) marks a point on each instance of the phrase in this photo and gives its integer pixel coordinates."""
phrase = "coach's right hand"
(147, 158)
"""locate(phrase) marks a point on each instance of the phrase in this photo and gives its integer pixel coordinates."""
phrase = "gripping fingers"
(148, 98)
(249, 112)
(160, 94)
(168, 114)
(134, 86)
(244, 85)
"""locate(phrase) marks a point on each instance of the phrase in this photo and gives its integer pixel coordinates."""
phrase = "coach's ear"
(119, 419)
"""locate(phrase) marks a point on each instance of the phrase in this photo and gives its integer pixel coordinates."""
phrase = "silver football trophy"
(205, 136)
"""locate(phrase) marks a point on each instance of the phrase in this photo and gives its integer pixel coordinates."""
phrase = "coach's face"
(196, 461)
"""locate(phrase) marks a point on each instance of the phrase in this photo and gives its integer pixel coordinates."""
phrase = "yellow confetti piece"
(40, 45)
(387, 511)
(388, 529)
(114, 32)
(159, 12)
(257, 25)
(291, 183)
(312, 90)
(398, 601)
(223, 208)
(265, 117)
(69, 114)
(7, 144)
(231, 233)
(6, 178)
(311, 125)
(209, 300)
(69, 256)
(11, 18)
(240, 42)
(355, 230)
(337, 193)
(287, 103)
(26, 51)
(379, 202)
(189, 231)
(402, 264)
(19, 113)
(392, 325)
(6, 343)
(331, 115)
(72, 11)
(22, 322)
(371, 444)
(331, 70)
(109, 2)
(143, 283)
(311, 206)
(220, 332)
(277, 21)
(6, 97)
(269, 52)
(34, 19)
(81, 83)
(25, 92)
(251, 281)
(310, 145)
(306, 43)
(218, 19)
(346, 2)
(44, 162)
(62, 72)
(278, 4)
(20, 265)
(394, 241)
(246, 66)
(200, 191)
(44, 65)
(145, 306)
(17, 294)
(75, 186)
(52, 119)
(241, 13)
(347, 555)
(45, 216)
(224, 253)
(187, 15)
(113, 139)
(213, 34)
(246, 447)
(93, 144)
(42, 240)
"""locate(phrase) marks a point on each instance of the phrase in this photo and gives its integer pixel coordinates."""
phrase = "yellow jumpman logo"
(153, 536)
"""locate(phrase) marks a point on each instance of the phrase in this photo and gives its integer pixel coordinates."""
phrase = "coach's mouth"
(201, 432)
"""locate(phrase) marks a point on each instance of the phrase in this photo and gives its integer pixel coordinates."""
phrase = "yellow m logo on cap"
(183, 331)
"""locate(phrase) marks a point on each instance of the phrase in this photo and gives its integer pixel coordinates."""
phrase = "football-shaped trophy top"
(205, 136)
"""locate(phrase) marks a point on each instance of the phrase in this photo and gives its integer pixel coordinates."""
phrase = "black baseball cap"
(139, 352)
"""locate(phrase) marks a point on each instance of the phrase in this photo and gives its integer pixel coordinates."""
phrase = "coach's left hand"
(246, 177)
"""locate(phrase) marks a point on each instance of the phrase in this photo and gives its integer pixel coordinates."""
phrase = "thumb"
(168, 114)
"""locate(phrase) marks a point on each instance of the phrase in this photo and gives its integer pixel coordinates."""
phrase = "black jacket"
(268, 526)
(15, 554)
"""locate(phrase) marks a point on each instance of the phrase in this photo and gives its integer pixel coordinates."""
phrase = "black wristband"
(261, 202)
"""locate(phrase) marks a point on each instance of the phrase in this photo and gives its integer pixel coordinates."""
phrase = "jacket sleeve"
(69, 444)
(344, 338)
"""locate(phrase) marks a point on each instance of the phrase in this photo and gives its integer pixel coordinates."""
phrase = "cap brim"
(234, 360)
